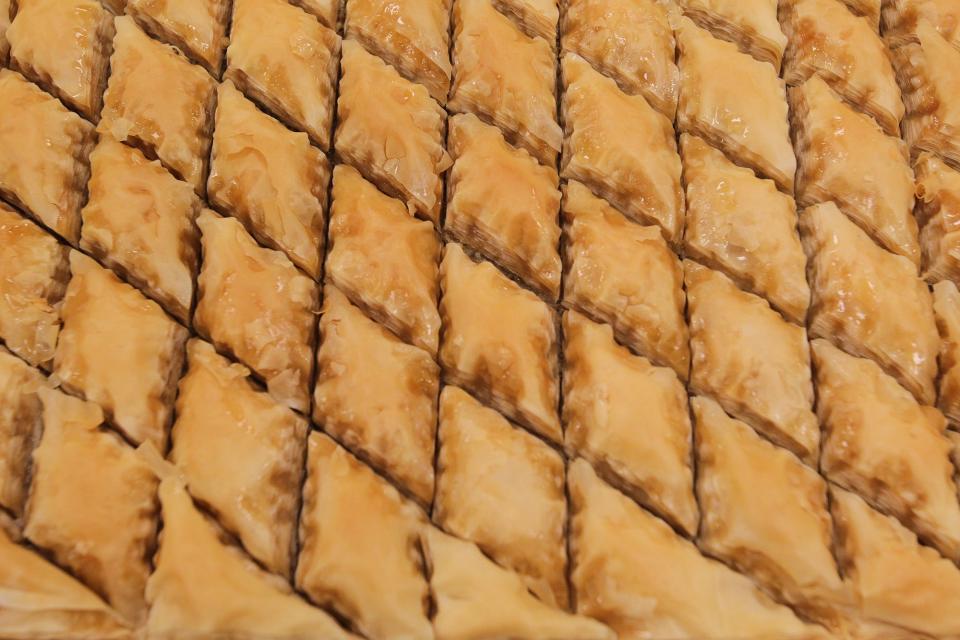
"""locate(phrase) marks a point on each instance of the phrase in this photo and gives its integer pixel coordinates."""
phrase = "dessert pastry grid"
(476, 319)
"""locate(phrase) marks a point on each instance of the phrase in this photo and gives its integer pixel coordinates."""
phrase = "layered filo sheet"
(751, 25)
(534, 17)
(946, 306)
(902, 19)
(938, 213)
(20, 426)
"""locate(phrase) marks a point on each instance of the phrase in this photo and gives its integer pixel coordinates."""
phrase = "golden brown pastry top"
(751, 25)
(197, 27)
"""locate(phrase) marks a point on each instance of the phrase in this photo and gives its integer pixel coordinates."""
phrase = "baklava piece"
(253, 303)
(751, 360)
(938, 212)
(377, 395)
(843, 49)
(502, 488)
(499, 342)
(286, 61)
(630, 41)
(92, 503)
(47, 602)
(326, 11)
(157, 100)
(503, 204)
(358, 534)
(845, 157)
(903, 588)
(902, 18)
(205, 587)
(197, 27)
(391, 130)
(477, 599)
(43, 167)
(411, 36)
(20, 426)
(119, 349)
(384, 260)
(624, 556)
(630, 419)
(741, 480)
(751, 25)
(64, 45)
(33, 279)
(625, 275)
(744, 226)
(241, 453)
(734, 102)
(139, 220)
(270, 178)
(869, 301)
(946, 307)
(505, 77)
(928, 77)
(879, 442)
(621, 148)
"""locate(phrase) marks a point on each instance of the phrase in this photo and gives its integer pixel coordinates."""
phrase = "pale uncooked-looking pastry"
(499, 342)
(384, 259)
(33, 278)
(946, 307)
(626, 275)
(197, 27)
(751, 25)
(751, 360)
(253, 303)
(43, 167)
(869, 301)
(270, 178)
(119, 349)
(64, 45)
(902, 18)
(92, 503)
(20, 427)
(502, 488)
(879, 442)
(938, 212)
(630, 419)
(241, 452)
(621, 148)
(139, 220)
(534, 17)
(377, 395)
(503, 204)
(744, 226)
(357, 535)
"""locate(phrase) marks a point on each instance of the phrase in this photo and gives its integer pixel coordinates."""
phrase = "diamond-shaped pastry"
(880, 442)
(156, 99)
(242, 453)
(742, 225)
(751, 25)
(119, 349)
(357, 533)
(621, 148)
(505, 77)
(843, 49)
(396, 284)
(64, 45)
(33, 278)
(20, 426)
(503, 204)
(326, 11)
(286, 61)
(377, 395)
(734, 102)
(270, 178)
(106, 542)
(253, 303)
(139, 220)
(534, 17)
(197, 27)
(626, 275)
(391, 130)
(630, 419)
(624, 556)
(502, 488)
(742, 479)
(43, 167)
(411, 36)
(845, 157)
(946, 307)
(476, 598)
(902, 18)
(869, 301)
(938, 212)
(499, 342)
(630, 41)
